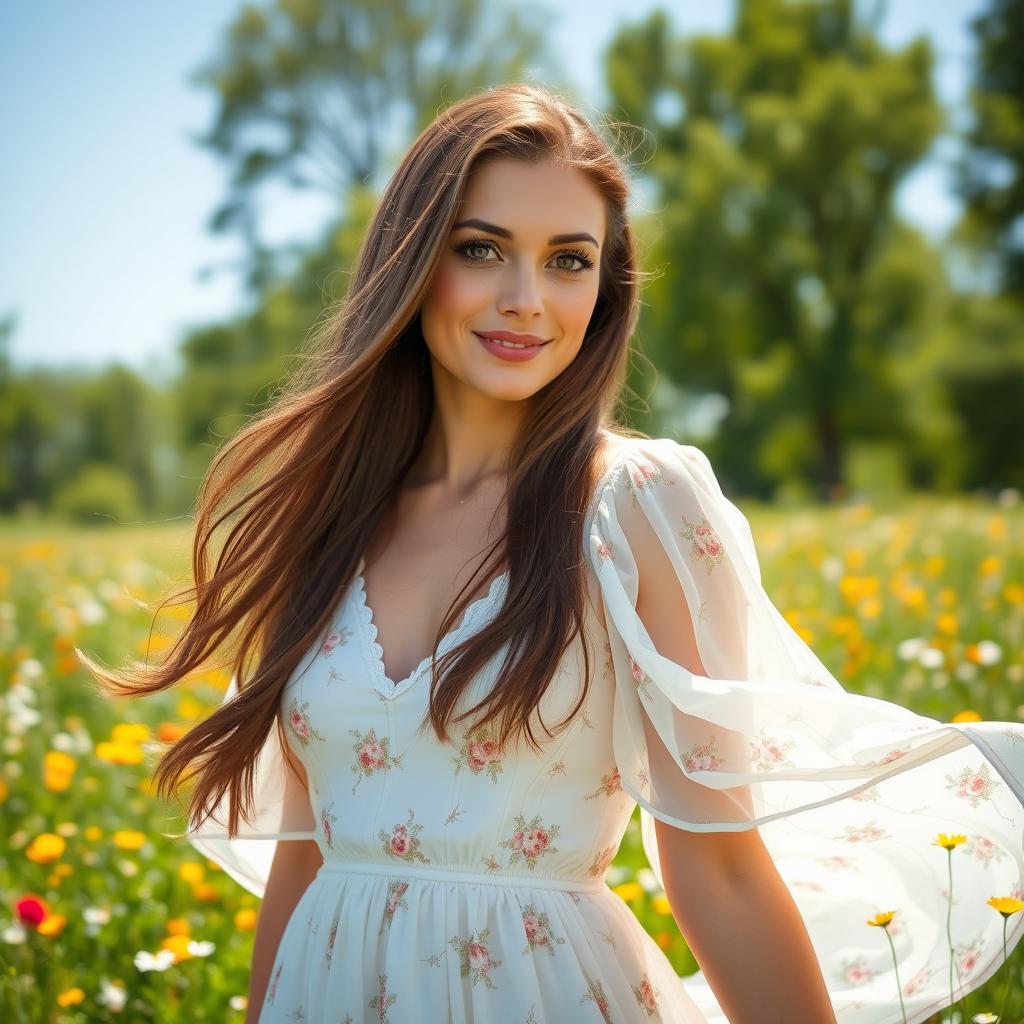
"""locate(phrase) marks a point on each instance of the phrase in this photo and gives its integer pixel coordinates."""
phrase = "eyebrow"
(494, 229)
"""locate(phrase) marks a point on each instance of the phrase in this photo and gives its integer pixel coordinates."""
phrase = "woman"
(421, 855)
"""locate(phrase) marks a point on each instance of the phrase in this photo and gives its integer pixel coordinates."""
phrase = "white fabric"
(848, 793)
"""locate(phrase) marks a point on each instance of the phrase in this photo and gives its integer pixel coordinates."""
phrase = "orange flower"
(178, 945)
(967, 715)
(52, 925)
(72, 997)
(170, 732)
(245, 919)
(178, 926)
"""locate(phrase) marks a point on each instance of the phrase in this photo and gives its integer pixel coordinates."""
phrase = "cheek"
(453, 293)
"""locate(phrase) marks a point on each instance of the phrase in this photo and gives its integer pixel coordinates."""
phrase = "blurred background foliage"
(813, 342)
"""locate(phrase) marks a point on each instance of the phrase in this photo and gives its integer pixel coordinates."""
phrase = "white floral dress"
(466, 884)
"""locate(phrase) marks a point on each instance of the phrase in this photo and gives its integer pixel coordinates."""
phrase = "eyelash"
(474, 243)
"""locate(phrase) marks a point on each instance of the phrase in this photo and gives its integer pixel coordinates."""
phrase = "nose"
(520, 292)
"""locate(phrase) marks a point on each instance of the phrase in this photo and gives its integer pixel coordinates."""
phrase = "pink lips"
(509, 355)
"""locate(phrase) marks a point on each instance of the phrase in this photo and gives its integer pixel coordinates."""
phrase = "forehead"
(534, 199)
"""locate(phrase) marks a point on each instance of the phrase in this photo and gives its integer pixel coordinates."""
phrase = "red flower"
(399, 844)
(31, 910)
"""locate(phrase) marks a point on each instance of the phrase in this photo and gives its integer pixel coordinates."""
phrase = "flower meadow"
(104, 918)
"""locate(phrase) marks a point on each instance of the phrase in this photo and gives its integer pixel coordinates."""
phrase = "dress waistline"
(503, 881)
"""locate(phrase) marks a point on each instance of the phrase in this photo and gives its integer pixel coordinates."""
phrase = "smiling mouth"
(510, 344)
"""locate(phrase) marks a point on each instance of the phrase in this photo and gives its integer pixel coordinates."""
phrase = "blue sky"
(104, 197)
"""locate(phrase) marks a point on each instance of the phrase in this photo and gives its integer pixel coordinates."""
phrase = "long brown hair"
(304, 485)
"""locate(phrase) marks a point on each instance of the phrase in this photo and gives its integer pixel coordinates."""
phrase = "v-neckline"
(383, 683)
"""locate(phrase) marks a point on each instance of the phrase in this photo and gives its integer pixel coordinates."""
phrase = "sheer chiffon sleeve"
(281, 811)
(849, 791)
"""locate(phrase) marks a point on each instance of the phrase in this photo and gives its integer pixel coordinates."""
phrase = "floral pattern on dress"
(382, 1000)
(641, 678)
(272, 990)
(706, 547)
(372, 754)
(538, 931)
(967, 956)
(642, 476)
(300, 724)
(337, 638)
(893, 755)
(646, 995)
(985, 850)
(397, 888)
(601, 861)
(868, 833)
(595, 992)
(404, 841)
(702, 757)
(475, 958)
(973, 786)
(919, 979)
(327, 821)
(329, 953)
(480, 753)
(611, 783)
(530, 841)
(855, 972)
(769, 753)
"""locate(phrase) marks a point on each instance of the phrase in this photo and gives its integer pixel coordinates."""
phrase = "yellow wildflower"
(191, 871)
(92, 833)
(882, 920)
(1006, 905)
(947, 842)
(178, 926)
(629, 891)
(661, 904)
(45, 848)
(130, 732)
(128, 839)
(119, 753)
(967, 715)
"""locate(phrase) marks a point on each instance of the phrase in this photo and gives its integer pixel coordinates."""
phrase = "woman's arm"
(730, 903)
(296, 862)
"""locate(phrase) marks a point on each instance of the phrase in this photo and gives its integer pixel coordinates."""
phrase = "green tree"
(320, 94)
(779, 149)
(991, 174)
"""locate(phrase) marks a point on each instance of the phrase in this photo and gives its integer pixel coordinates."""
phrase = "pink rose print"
(871, 793)
(838, 862)
(327, 821)
(868, 833)
(769, 752)
(702, 757)
(601, 861)
(611, 783)
(300, 723)
(595, 992)
(538, 931)
(641, 678)
(642, 476)
(918, 981)
(893, 755)
(706, 545)
(974, 786)
(396, 890)
(967, 956)
(603, 550)
(382, 1000)
(475, 958)
(856, 972)
(530, 841)
(985, 850)
(646, 995)
(403, 841)
(480, 753)
(335, 639)
(372, 755)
